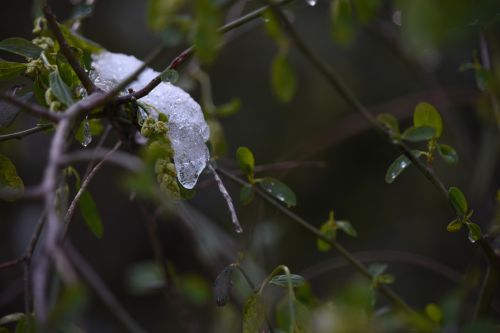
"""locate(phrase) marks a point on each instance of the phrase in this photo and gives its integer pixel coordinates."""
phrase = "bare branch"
(67, 51)
(21, 134)
(124, 160)
(34, 109)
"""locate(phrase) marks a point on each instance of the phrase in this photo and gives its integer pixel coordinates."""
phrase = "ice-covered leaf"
(11, 185)
(284, 280)
(279, 190)
(253, 314)
(21, 47)
(416, 134)
(90, 214)
(458, 200)
(60, 89)
(425, 114)
(187, 129)
(283, 78)
(448, 153)
(10, 70)
(169, 75)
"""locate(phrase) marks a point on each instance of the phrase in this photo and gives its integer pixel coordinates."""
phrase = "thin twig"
(397, 301)
(34, 109)
(67, 51)
(124, 160)
(21, 134)
(83, 187)
(102, 290)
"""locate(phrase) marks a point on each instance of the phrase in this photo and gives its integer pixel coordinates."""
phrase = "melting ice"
(188, 130)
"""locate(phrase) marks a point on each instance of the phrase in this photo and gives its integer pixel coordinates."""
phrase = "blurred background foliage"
(392, 54)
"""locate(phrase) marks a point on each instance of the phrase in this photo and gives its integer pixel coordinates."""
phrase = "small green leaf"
(416, 134)
(144, 278)
(366, 9)
(279, 190)
(246, 195)
(21, 47)
(385, 278)
(283, 78)
(246, 160)
(343, 27)
(228, 108)
(169, 75)
(272, 26)
(160, 12)
(26, 325)
(458, 200)
(347, 227)
(11, 185)
(475, 233)
(253, 314)
(223, 285)
(398, 166)
(282, 280)
(90, 214)
(207, 36)
(426, 114)
(60, 89)
(454, 226)
(10, 70)
(434, 312)
(70, 304)
(389, 121)
(448, 153)
(329, 230)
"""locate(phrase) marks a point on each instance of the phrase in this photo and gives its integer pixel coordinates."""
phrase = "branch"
(67, 51)
(397, 301)
(124, 160)
(21, 134)
(30, 107)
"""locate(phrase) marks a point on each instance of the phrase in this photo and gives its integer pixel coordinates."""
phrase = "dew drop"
(87, 135)
(311, 3)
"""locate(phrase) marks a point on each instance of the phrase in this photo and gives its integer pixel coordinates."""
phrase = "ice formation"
(188, 130)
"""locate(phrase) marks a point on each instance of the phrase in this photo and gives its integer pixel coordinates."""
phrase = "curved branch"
(21, 134)
(34, 109)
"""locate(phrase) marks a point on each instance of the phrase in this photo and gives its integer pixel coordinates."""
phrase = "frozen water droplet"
(87, 135)
(396, 18)
(311, 2)
(170, 75)
(141, 115)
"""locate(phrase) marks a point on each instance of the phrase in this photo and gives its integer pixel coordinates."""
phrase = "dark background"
(408, 216)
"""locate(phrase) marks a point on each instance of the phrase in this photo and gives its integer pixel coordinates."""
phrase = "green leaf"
(160, 12)
(144, 278)
(10, 318)
(228, 108)
(389, 121)
(253, 314)
(454, 225)
(194, 289)
(458, 200)
(90, 214)
(448, 153)
(10, 70)
(79, 42)
(11, 185)
(426, 115)
(68, 74)
(26, 325)
(60, 89)
(246, 160)
(223, 285)
(475, 233)
(169, 75)
(272, 26)
(329, 230)
(283, 78)
(70, 304)
(366, 9)
(434, 312)
(21, 47)
(343, 28)
(282, 280)
(347, 227)
(207, 36)
(246, 195)
(385, 278)
(398, 166)
(416, 134)
(278, 190)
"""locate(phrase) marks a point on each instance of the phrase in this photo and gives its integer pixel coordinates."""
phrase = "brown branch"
(11, 263)
(21, 134)
(124, 160)
(34, 109)
(67, 51)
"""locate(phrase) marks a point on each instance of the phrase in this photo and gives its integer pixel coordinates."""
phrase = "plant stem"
(34, 109)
